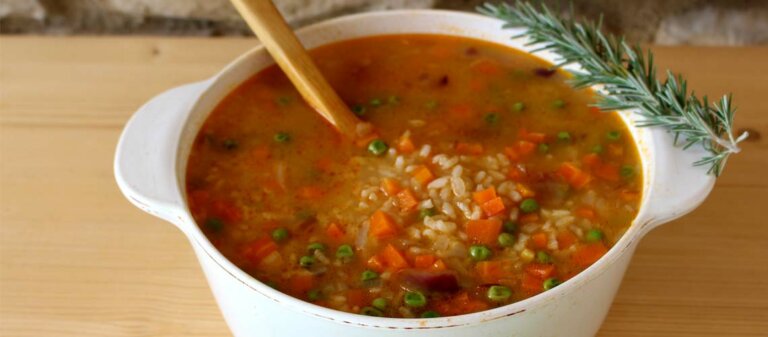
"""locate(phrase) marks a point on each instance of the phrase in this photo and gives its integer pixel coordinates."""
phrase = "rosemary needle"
(628, 76)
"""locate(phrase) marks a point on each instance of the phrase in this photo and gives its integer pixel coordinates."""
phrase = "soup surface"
(487, 179)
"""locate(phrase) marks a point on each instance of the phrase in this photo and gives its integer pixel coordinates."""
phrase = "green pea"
(230, 144)
(550, 283)
(214, 224)
(480, 252)
(283, 100)
(518, 106)
(415, 299)
(280, 234)
(510, 226)
(345, 252)
(627, 171)
(613, 135)
(430, 314)
(543, 148)
(529, 206)
(543, 257)
(506, 240)
(377, 147)
(314, 295)
(282, 137)
(369, 275)
(558, 104)
(312, 247)
(597, 149)
(371, 311)
(393, 100)
(499, 293)
(358, 109)
(380, 303)
(307, 261)
(491, 118)
(425, 212)
(594, 235)
(375, 102)
(564, 136)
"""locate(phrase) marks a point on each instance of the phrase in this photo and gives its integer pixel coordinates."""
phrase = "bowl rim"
(626, 243)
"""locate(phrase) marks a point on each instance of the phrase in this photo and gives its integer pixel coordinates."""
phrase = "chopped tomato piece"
(493, 206)
(540, 270)
(257, 250)
(390, 186)
(311, 192)
(424, 261)
(539, 240)
(300, 284)
(405, 145)
(334, 232)
(566, 239)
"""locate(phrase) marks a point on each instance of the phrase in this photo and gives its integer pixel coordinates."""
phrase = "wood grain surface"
(76, 259)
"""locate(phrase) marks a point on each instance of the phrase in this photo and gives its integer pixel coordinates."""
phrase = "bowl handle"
(145, 160)
(677, 187)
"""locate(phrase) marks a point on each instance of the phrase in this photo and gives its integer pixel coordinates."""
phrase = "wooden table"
(76, 259)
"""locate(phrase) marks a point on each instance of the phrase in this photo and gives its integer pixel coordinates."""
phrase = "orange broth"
(491, 179)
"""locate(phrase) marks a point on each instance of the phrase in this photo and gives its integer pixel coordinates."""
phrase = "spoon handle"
(270, 27)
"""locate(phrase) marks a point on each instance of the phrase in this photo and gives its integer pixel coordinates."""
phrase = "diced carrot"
(485, 195)
(324, 164)
(357, 298)
(423, 175)
(257, 250)
(574, 175)
(586, 212)
(534, 137)
(392, 259)
(588, 254)
(524, 147)
(591, 160)
(405, 145)
(226, 210)
(540, 270)
(471, 149)
(532, 284)
(311, 192)
(493, 206)
(365, 140)
(406, 200)
(334, 232)
(486, 66)
(516, 174)
(529, 218)
(495, 272)
(300, 284)
(608, 171)
(425, 261)
(539, 240)
(566, 239)
(439, 265)
(485, 231)
(382, 226)
(525, 191)
(390, 186)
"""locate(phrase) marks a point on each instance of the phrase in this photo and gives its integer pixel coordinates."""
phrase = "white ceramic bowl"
(150, 169)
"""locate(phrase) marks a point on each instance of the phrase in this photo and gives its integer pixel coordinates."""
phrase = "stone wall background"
(696, 22)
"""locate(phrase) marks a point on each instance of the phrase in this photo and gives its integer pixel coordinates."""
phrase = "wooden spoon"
(290, 55)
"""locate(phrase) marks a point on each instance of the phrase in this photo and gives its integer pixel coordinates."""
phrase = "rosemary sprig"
(628, 78)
